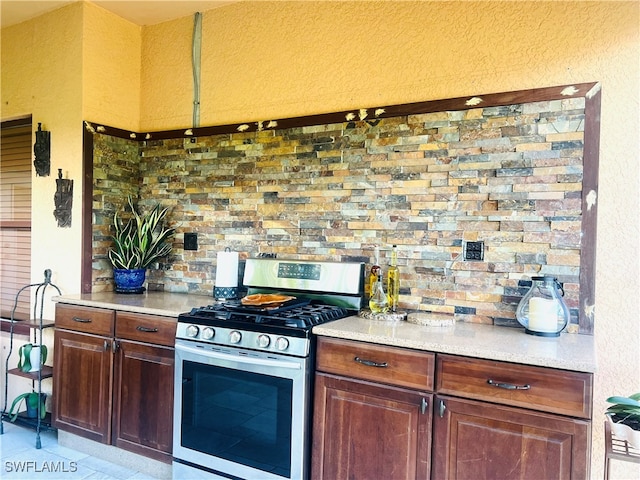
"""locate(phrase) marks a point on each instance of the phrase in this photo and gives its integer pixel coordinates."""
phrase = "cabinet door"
(82, 384)
(485, 442)
(366, 431)
(143, 396)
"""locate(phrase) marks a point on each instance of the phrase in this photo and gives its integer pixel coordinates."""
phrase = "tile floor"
(21, 460)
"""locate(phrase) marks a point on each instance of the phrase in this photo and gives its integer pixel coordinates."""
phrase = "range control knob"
(235, 336)
(208, 333)
(192, 331)
(282, 344)
(264, 341)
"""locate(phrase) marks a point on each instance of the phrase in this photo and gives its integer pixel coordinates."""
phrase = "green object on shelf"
(31, 399)
(26, 364)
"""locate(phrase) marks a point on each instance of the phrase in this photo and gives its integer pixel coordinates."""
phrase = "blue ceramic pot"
(32, 410)
(129, 281)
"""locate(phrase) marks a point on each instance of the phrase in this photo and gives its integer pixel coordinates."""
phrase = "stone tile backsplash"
(510, 177)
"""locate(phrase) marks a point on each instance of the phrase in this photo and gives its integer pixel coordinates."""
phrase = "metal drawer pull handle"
(81, 320)
(442, 409)
(423, 405)
(370, 363)
(146, 329)
(509, 386)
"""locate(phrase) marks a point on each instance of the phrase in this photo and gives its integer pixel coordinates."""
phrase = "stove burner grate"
(298, 316)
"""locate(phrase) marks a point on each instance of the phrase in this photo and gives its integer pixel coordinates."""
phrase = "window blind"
(15, 218)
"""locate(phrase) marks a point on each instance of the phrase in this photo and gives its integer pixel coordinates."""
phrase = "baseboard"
(138, 463)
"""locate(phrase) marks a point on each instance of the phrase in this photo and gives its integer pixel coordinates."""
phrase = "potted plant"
(31, 400)
(138, 242)
(624, 416)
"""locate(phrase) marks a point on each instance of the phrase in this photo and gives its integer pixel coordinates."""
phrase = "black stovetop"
(299, 315)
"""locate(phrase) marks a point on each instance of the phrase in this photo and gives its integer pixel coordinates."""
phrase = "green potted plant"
(31, 400)
(138, 242)
(624, 416)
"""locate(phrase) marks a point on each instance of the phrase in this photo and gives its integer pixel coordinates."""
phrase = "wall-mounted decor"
(42, 152)
(63, 199)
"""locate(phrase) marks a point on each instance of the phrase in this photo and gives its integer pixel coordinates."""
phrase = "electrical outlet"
(474, 251)
(191, 241)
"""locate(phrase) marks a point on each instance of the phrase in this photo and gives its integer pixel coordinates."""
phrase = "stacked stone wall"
(510, 177)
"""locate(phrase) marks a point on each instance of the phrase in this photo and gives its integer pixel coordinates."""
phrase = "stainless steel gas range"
(244, 373)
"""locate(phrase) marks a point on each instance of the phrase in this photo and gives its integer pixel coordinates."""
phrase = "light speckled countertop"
(154, 303)
(570, 351)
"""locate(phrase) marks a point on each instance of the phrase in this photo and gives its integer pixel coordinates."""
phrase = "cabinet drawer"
(537, 388)
(98, 321)
(146, 328)
(378, 363)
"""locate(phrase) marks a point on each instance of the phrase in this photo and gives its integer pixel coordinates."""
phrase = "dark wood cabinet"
(503, 420)
(83, 369)
(372, 412)
(488, 419)
(143, 399)
(366, 431)
(115, 388)
(484, 441)
(534, 388)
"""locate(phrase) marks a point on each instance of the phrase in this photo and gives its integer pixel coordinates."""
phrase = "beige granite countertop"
(154, 303)
(570, 351)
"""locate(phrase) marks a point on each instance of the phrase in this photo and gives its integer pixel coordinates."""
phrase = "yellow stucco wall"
(76, 63)
(263, 60)
(111, 61)
(42, 76)
(273, 59)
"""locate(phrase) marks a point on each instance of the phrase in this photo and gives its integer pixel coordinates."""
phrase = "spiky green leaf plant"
(141, 240)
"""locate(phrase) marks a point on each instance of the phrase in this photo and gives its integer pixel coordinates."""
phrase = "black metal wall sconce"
(63, 199)
(42, 152)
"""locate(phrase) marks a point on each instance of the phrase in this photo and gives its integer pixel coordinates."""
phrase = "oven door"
(241, 412)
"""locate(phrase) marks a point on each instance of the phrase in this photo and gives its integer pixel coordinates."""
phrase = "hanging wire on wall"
(195, 59)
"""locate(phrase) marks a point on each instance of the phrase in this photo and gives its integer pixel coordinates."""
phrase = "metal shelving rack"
(617, 449)
(36, 325)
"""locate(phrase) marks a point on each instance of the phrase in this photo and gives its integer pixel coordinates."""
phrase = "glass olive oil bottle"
(375, 270)
(393, 280)
(378, 302)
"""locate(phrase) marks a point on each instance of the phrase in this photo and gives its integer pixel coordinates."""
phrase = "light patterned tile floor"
(22, 461)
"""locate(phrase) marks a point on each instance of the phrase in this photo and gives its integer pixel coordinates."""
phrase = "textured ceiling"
(140, 12)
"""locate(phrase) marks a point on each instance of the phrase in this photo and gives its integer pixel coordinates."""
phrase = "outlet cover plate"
(191, 241)
(474, 251)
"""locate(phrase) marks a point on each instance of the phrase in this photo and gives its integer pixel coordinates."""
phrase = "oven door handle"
(268, 362)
